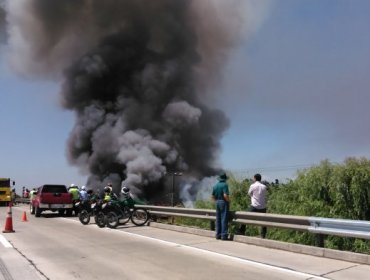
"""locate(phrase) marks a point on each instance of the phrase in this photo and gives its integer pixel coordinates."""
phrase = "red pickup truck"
(53, 198)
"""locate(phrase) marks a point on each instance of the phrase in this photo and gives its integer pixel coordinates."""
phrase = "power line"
(272, 168)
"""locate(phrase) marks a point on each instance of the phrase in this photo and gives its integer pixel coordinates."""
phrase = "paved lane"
(62, 248)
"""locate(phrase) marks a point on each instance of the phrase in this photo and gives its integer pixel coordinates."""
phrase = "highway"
(52, 247)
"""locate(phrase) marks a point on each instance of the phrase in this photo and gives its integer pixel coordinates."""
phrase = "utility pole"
(174, 174)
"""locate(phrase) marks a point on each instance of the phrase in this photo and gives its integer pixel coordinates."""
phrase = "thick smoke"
(137, 74)
(2, 22)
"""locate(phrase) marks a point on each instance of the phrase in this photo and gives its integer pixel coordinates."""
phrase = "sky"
(304, 81)
(296, 92)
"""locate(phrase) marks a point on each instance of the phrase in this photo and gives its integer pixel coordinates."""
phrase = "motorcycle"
(76, 207)
(92, 208)
(122, 211)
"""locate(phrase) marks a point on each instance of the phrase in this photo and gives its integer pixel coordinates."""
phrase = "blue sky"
(35, 130)
(296, 92)
(303, 82)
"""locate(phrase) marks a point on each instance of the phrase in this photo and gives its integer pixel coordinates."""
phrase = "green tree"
(326, 190)
(238, 194)
(307, 195)
(351, 189)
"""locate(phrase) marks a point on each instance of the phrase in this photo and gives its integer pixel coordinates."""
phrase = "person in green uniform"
(220, 194)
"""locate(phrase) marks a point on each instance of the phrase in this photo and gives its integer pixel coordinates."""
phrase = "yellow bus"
(5, 191)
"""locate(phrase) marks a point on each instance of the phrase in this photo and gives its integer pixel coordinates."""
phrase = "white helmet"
(125, 190)
(83, 188)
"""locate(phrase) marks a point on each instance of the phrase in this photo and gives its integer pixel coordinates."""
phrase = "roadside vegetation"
(324, 190)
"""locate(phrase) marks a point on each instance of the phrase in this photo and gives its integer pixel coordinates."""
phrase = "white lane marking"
(238, 259)
(5, 242)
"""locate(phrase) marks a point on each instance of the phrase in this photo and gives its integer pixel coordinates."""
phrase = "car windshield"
(4, 183)
(54, 189)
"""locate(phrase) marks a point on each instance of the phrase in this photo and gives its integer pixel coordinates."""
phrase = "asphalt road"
(52, 247)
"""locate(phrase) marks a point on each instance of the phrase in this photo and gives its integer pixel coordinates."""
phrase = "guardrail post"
(320, 238)
(172, 220)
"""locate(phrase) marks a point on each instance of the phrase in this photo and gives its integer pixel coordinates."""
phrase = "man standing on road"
(258, 193)
(13, 196)
(220, 194)
(32, 194)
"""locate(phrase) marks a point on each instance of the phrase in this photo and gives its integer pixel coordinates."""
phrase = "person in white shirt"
(258, 193)
(83, 194)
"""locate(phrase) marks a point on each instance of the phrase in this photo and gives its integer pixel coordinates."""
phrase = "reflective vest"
(75, 193)
(107, 197)
(32, 194)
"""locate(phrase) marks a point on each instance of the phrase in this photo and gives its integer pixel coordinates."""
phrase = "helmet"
(83, 188)
(125, 190)
(72, 185)
(107, 189)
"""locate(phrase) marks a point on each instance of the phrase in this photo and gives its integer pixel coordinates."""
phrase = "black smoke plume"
(138, 74)
(2, 22)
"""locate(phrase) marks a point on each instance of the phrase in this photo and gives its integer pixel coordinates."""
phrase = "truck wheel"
(37, 212)
(32, 209)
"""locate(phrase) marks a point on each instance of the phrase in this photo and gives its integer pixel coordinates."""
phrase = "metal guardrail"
(22, 200)
(319, 226)
(340, 227)
(207, 214)
(299, 223)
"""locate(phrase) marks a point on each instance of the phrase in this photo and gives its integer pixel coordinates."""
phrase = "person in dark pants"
(220, 194)
(258, 193)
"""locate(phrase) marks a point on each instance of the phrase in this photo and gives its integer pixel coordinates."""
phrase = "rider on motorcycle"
(83, 194)
(126, 197)
(73, 190)
(125, 193)
(109, 194)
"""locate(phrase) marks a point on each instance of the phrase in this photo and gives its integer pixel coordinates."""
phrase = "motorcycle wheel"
(69, 212)
(112, 220)
(139, 216)
(125, 216)
(84, 217)
(100, 219)
(61, 212)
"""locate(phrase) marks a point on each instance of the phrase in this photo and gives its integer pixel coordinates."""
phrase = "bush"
(325, 190)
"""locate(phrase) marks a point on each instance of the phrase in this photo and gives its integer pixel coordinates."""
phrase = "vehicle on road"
(53, 198)
(124, 210)
(5, 191)
(93, 208)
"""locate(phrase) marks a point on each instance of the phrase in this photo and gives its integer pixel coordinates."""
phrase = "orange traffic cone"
(9, 221)
(24, 217)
